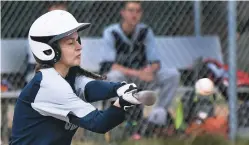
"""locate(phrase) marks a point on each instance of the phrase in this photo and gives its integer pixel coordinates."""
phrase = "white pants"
(166, 79)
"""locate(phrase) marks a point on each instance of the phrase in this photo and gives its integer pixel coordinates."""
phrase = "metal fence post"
(232, 88)
(197, 16)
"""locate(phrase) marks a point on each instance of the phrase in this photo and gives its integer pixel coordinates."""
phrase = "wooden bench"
(174, 52)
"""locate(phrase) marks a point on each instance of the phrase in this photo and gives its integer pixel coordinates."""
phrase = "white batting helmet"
(47, 30)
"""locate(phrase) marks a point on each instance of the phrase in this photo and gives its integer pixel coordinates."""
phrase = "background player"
(134, 57)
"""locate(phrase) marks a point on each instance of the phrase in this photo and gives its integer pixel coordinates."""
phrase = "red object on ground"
(213, 125)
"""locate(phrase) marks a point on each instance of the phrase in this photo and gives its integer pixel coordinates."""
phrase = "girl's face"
(70, 50)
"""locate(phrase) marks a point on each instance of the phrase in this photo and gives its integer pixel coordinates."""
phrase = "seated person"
(134, 57)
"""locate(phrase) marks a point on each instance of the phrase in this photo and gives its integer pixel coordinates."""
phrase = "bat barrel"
(146, 97)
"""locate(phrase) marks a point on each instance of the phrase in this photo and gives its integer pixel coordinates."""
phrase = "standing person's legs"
(168, 81)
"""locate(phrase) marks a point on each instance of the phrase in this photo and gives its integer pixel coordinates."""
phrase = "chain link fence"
(168, 20)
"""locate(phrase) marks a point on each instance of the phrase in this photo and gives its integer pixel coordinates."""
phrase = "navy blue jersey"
(134, 52)
(48, 112)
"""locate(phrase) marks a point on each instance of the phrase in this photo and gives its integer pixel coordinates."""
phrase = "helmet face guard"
(47, 30)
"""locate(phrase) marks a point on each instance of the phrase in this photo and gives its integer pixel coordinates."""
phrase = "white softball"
(204, 87)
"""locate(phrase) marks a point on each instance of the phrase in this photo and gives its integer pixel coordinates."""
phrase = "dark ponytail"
(78, 71)
(74, 71)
